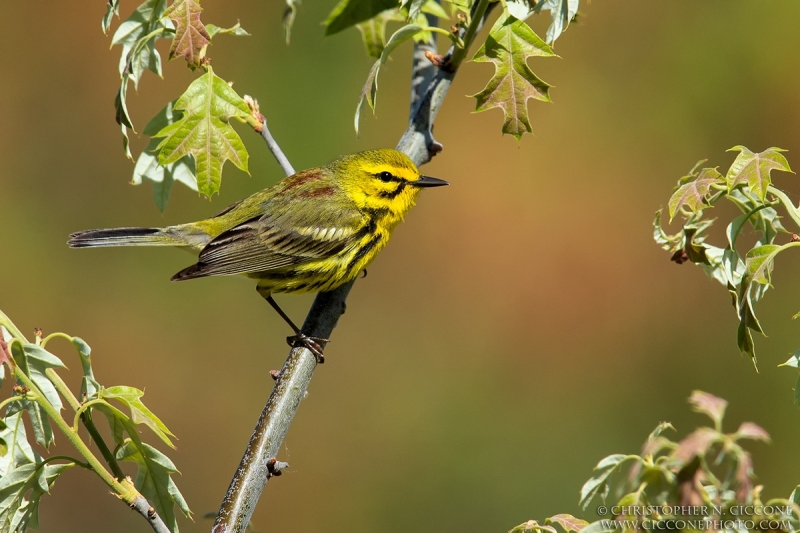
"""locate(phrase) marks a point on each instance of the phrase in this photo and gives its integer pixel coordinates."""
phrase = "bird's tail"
(128, 237)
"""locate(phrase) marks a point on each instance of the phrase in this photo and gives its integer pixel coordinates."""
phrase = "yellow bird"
(312, 231)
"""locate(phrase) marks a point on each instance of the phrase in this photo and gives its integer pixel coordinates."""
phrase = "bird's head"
(382, 179)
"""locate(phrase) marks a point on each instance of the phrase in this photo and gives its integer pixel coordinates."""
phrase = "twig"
(261, 128)
(121, 485)
(429, 87)
(142, 507)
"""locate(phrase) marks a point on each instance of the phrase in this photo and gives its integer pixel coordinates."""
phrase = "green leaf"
(599, 483)
(601, 526)
(20, 450)
(154, 480)
(204, 131)
(797, 391)
(34, 361)
(350, 12)
(754, 169)
(432, 7)
(89, 385)
(214, 30)
(191, 35)
(509, 45)
(289, 15)
(414, 8)
(661, 428)
(111, 9)
(122, 117)
(370, 90)
(793, 361)
(694, 194)
(562, 12)
(137, 36)
(373, 31)
(163, 176)
(19, 513)
(130, 397)
(568, 522)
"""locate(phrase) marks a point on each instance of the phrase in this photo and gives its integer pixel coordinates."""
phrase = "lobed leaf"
(562, 12)
(34, 361)
(140, 414)
(137, 36)
(754, 169)
(204, 131)
(509, 45)
(694, 194)
(190, 33)
(348, 13)
(154, 480)
(163, 176)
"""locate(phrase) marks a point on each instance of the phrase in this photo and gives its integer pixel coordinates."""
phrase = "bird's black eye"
(385, 176)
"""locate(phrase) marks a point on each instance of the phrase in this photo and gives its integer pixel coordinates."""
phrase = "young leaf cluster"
(509, 45)
(205, 136)
(708, 468)
(40, 394)
(748, 185)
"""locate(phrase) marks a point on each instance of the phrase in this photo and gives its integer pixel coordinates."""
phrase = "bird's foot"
(314, 344)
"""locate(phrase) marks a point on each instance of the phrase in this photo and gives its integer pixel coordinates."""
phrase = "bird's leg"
(314, 344)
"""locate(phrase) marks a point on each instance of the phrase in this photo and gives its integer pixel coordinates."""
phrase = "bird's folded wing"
(279, 239)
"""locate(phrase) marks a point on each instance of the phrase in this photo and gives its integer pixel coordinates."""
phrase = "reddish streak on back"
(321, 191)
(302, 177)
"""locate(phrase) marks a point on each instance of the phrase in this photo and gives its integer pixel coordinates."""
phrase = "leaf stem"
(16, 399)
(126, 492)
(12, 329)
(55, 336)
(82, 409)
(86, 416)
(460, 53)
(62, 388)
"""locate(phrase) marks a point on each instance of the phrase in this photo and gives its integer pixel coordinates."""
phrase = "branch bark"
(429, 87)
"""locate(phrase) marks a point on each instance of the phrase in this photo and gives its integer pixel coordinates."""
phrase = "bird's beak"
(427, 181)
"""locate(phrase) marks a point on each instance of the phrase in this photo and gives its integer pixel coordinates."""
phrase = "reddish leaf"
(744, 474)
(749, 430)
(703, 402)
(568, 522)
(190, 34)
(697, 443)
(5, 355)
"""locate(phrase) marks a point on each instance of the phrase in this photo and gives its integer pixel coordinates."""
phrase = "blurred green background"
(521, 325)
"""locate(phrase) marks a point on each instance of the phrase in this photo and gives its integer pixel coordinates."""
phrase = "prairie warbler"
(312, 231)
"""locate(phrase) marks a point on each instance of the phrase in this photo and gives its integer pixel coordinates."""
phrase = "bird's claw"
(313, 344)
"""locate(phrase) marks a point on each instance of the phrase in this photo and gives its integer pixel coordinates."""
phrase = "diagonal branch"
(429, 87)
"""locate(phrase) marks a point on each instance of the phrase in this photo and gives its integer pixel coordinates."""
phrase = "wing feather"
(288, 233)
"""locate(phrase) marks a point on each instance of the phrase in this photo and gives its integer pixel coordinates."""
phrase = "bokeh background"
(521, 325)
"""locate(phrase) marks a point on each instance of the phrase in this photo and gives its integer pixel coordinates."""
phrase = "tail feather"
(123, 237)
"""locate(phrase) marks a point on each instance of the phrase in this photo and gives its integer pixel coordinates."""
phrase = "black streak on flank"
(364, 250)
